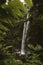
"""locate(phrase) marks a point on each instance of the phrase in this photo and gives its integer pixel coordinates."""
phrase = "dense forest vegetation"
(12, 18)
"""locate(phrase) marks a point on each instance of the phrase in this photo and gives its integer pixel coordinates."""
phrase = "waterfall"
(25, 29)
(6, 2)
(26, 26)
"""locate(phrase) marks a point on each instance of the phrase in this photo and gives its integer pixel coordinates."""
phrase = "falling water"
(6, 2)
(26, 26)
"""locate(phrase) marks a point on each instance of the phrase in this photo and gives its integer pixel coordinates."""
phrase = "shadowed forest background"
(12, 18)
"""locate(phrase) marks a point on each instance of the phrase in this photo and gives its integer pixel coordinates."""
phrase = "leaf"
(1, 38)
(1, 46)
(7, 47)
(29, 2)
(2, 27)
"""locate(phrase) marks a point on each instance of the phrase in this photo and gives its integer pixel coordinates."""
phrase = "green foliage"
(36, 24)
(2, 2)
(12, 61)
(12, 18)
(29, 3)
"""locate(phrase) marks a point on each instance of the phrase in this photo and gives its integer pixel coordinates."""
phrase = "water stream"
(6, 2)
(25, 29)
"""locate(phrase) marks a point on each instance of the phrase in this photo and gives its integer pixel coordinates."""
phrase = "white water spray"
(22, 1)
(6, 2)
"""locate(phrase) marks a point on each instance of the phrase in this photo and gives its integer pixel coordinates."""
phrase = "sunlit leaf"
(29, 2)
